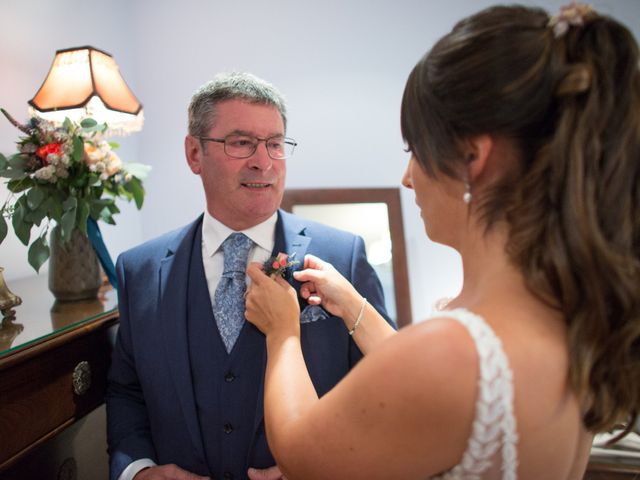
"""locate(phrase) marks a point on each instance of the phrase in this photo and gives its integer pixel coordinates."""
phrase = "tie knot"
(236, 253)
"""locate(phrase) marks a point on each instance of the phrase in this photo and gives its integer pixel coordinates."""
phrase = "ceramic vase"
(74, 270)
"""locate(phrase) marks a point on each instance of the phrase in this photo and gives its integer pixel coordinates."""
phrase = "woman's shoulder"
(441, 334)
(454, 330)
(426, 378)
(438, 351)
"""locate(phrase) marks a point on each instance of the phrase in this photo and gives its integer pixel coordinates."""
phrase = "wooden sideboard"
(53, 366)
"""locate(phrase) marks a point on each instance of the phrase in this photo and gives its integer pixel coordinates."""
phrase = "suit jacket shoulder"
(151, 252)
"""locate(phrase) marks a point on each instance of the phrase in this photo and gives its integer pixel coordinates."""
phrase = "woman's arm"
(405, 411)
(323, 285)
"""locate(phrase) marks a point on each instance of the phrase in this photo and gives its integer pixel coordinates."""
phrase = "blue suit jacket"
(151, 407)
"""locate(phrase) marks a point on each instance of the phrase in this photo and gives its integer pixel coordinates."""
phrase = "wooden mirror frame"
(389, 196)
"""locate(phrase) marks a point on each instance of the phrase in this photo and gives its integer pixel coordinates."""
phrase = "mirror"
(376, 215)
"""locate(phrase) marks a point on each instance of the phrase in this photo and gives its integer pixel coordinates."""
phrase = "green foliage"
(64, 175)
(88, 123)
(3, 227)
(78, 149)
(21, 226)
(38, 253)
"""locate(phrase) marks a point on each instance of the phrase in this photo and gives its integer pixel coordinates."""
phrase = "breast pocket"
(313, 313)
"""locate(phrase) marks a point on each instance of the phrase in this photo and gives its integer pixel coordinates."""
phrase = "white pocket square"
(313, 313)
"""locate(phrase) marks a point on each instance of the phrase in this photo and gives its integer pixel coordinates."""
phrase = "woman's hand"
(323, 285)
(271, 304)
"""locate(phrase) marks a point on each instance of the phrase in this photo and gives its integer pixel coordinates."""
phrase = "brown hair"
(571, 106)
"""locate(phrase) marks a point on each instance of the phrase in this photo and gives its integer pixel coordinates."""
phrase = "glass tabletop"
(41, 316)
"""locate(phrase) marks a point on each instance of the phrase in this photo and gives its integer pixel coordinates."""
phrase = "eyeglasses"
(243, 146)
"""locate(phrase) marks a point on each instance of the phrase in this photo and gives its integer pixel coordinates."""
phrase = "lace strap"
(494, 426)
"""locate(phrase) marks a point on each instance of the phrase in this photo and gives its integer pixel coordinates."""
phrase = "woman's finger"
(307, 289)
(314, 300)
(311, 261)
(309, 275)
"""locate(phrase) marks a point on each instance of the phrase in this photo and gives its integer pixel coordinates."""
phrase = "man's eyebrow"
(252, 134)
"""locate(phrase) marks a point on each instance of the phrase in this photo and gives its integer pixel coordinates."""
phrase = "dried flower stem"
(15, 123)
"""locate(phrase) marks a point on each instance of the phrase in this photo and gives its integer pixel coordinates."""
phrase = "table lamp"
(86, 82)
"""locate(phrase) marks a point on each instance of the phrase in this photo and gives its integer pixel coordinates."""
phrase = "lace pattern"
(494, 428)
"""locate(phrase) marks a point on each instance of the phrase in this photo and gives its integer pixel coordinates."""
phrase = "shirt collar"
(214, 232)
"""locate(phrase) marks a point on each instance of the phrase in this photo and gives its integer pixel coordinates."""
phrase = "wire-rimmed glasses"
(243, 146)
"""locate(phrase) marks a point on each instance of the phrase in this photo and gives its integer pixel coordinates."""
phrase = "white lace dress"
(491, 451)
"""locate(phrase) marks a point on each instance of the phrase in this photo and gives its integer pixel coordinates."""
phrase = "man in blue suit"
(186, 380)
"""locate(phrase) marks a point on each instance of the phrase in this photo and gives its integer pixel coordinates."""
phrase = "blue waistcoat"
(225, 385)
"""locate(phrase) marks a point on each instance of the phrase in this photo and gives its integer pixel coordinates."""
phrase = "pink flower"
(279, 264)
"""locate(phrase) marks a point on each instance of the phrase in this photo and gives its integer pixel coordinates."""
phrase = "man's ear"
(193, 152)
(477, 152)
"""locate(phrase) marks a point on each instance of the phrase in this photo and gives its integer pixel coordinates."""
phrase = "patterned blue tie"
(229, 296)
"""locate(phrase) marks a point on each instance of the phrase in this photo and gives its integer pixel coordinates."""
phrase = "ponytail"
(587, 246)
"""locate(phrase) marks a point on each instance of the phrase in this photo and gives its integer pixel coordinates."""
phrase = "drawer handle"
(81, 378)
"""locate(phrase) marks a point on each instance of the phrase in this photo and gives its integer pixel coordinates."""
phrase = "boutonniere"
(279, 264)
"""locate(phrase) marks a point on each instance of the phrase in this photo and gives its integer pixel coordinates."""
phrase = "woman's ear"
(477, 151)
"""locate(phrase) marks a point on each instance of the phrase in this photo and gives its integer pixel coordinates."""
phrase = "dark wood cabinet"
(54, 359)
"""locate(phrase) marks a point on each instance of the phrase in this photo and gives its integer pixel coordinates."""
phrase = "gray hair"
(230, 86)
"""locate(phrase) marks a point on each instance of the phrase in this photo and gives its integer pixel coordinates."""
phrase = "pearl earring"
(466, 197)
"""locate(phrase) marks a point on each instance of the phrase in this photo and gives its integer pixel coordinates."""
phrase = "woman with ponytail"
(524, 139)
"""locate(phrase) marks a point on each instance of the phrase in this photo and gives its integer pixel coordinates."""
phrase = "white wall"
(341, 64)
(30, 33)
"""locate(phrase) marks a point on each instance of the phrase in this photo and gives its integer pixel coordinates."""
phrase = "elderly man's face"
(240, 192)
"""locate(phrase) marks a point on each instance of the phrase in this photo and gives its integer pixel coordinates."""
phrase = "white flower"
(46, 173)
(28, 148)
(104, 176)
(93, 154)
(61, 171)
(114, 164)
(60, 136)
(45, 126)
(67, 148)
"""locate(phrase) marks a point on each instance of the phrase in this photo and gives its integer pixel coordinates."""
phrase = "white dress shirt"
(214, 233)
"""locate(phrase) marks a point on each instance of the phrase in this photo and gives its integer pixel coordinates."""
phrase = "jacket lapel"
(173, 319)
(290, 238)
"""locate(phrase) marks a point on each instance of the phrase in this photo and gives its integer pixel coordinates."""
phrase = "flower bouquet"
(68, 174)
